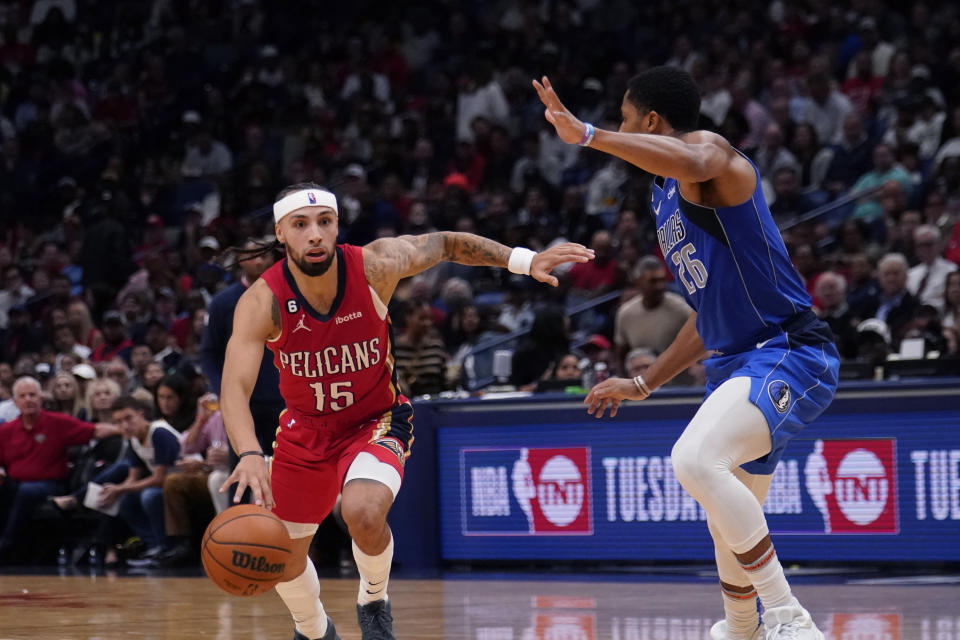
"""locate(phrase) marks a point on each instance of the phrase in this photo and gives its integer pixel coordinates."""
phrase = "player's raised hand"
(568, 127)
(545, 261)
(251, 472)
(610, 393)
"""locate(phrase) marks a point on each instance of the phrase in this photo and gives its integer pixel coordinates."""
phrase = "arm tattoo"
(470, 249)
(275, 313)
(394, 258)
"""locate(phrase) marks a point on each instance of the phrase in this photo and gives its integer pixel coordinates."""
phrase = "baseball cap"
(209, 242)
(355, 171)
(85, 371)
(112, 316)
(874, 325)
(598, 341)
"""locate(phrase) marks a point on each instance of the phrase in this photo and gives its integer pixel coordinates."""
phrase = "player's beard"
(314, 269)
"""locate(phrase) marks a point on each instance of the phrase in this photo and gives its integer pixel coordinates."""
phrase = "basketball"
(245, 550)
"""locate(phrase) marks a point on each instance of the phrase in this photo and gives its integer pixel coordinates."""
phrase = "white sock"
(374, 573)
(302, 597)
(766, 576)
(741, 614)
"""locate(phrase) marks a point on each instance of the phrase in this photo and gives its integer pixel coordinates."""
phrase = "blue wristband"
(588, 132)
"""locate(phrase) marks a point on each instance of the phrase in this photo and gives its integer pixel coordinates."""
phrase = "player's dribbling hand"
(251, 472)
(568, 127)
(609, 394)
(545, 261)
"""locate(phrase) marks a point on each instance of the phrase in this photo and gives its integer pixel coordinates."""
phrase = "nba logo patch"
(779, 393)
(526, 491)
(311, 197)
(853, 483)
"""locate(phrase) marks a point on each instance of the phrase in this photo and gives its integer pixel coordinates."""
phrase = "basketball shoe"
(719, 632)
(331, 633)
(790, 621)
(376, 622)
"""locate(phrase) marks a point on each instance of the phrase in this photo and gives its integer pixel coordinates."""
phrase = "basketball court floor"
(81, 606)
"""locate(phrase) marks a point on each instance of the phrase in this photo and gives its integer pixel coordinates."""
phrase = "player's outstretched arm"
(685, 349)
(698, 156)
(388, 260)
(257, 318)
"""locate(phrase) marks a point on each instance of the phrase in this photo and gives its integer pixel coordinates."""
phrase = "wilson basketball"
(245, 550)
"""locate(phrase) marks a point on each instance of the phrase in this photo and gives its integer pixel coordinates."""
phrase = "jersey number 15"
(339, 398)
(690, 271)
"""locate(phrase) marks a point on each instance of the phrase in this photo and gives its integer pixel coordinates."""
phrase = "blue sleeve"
(166, 447)
(213, 346)
(134, 459)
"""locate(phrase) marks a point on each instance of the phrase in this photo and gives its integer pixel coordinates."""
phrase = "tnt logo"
(853, 483)
(533, 491)
(864, 626)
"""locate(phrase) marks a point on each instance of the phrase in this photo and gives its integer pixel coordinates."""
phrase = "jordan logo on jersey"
(301, 324)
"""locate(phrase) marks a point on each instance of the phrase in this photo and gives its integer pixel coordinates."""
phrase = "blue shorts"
(791, 381)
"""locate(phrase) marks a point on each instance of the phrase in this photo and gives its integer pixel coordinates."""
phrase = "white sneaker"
(719, 631)
(790, 622)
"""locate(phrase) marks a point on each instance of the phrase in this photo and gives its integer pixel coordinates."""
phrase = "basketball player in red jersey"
(347, 428)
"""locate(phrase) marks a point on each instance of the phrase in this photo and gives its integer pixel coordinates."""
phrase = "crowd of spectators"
(142, 139)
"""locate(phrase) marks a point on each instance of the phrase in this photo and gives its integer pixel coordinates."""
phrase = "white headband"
(304, 198)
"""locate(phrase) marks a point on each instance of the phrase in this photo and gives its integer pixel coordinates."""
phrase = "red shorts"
(311, 458)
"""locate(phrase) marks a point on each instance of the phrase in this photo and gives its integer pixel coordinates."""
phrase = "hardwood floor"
(169, 608)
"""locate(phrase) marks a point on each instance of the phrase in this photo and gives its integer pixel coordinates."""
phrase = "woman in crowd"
(67, 397)
(175, 401)
(101, 393)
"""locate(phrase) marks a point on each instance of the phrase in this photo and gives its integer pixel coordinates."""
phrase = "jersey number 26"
(690, 271)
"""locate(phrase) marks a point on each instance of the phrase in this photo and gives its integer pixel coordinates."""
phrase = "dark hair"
(187, 410)
(129, 402)
(263, 247)
(669, 91)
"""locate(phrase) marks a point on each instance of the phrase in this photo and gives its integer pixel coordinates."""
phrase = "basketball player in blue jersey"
(772, 366)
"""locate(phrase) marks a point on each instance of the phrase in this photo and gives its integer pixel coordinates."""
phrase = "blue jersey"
(732, 267)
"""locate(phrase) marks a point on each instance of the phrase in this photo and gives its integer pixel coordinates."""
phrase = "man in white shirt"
(928, 279)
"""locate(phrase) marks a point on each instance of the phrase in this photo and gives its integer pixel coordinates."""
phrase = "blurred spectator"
(825, 108)
(175, 401)
(850, 157)
(140, 357)
(80, 322)
(789, 202)
(136, 481)
(15, 292)
(188, 491)
(568, 368)
(951, 301)
(420, 355)
(884, 171)
(265, 400)
(33, 457)
(637, 361)
(771, 155)
(67, 397)
(873, 341)
(101, 393)
(540, 350)
(928, 279)
(653, 318)
(479, 95)
(895, 305)
(600, 275)
(115, 342)
(153, 373)
(118, 371)
(831, 290)
(863, 86)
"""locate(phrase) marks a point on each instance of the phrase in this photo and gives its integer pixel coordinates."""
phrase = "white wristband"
(520, 260)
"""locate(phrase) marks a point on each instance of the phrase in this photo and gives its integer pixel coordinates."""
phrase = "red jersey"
(336, 366)
(41, 453)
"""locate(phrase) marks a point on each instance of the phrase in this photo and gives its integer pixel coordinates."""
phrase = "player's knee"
(363, 519)
(688, 468)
